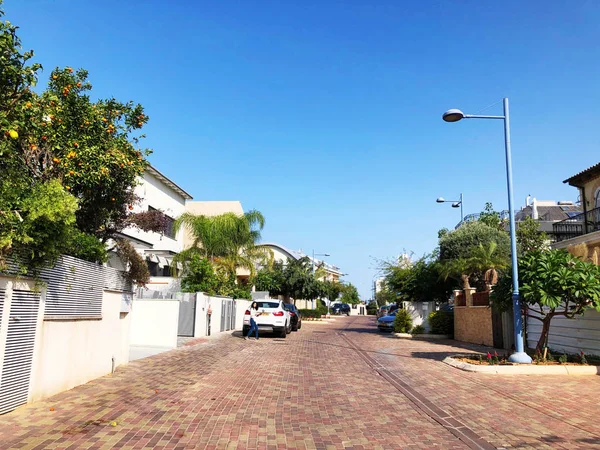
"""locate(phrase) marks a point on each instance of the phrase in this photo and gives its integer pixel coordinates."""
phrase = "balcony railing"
(577, 225)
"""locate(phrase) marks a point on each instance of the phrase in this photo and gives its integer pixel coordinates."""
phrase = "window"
(169, 231)
(572, 213)
(267, 304)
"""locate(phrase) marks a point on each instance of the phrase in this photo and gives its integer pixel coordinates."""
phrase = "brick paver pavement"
(327, 386)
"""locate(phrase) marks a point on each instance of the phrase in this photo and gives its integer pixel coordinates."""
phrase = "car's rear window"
(267, 304)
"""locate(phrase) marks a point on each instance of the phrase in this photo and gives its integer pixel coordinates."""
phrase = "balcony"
(577, 225)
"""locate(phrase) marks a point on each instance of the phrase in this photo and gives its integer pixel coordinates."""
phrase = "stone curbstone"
(522, 369)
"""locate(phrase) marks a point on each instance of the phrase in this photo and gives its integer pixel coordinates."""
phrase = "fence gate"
(18, 354)
(187, 315)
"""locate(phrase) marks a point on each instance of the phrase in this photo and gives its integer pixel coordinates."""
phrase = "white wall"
(205, 302)
(73, 352)
(154, 323)
(419, 312)
(358, 310)
(569, 335)
(160, 196)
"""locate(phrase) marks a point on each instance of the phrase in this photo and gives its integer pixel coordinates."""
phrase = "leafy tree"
(350, 294)
(461, 242)
(60, 140)
(420, 281)
(483, 260)
(492, 218)
(385, 296)
(332, 290)
(552, 283)
(529, 236)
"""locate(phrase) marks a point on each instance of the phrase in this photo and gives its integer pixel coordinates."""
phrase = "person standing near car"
(253, 325)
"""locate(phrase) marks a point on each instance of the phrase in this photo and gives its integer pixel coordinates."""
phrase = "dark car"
(295, 316)
(341, 308)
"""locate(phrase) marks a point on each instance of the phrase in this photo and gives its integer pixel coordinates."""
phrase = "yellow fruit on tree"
(13, 134)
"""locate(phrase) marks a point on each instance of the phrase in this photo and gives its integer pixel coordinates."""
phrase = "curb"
(423, 336)
(523, 369)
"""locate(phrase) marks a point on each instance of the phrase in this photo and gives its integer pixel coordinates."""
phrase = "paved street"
(338, 385)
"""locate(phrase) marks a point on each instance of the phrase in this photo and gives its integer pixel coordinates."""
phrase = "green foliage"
(403, 321)
(314, 313)
(85, 246)
(491, 218)
(228, 240)
(442, 322)
(552, 283)
(372, 308)
(385, 296)
(202, 276)
(468, 252)
(295, 279)
(529, 237)
(459, 244)
(350, 294)
(68, 163)
(420, 281)
(563, 358)
(418, 329)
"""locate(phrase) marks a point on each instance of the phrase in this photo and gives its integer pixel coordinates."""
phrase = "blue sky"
(326, 115)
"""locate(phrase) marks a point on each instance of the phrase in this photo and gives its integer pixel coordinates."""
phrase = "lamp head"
(453, 115)
(326, 254)
(440, 200)
(456, 204)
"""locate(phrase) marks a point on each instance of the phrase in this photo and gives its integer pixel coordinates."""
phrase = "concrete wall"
(154, 323)
(72, 352)
(204, 303)
(473, 324)
(358, 310)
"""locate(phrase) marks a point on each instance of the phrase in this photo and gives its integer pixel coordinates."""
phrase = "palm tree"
(484, 260)
(489, 261)
(228, 240)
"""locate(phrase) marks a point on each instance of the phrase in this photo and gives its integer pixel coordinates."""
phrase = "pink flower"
(489, 355)
(495, 353)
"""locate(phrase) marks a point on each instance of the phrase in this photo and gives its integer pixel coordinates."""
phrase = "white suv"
(273, 317)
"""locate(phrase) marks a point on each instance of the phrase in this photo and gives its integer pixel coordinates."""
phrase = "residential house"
(547, 213)
(157, 192)
(579, 234)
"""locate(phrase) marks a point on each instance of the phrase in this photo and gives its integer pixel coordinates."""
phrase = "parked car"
(341, 308)
(383, 310)
(295, 316)
(386, 323)
(273, 317)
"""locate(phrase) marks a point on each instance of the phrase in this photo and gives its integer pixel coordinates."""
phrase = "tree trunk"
(542, 341)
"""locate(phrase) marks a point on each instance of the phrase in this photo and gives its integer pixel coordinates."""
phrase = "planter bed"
(554, 368)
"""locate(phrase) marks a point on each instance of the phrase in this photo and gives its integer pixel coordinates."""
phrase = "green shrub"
(418, 329)
(319, 311)
(403, 321)
(441, 322)
(372, 309)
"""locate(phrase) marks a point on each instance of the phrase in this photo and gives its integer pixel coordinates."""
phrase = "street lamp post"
(454, 115)
(455, 204)
(313, 267)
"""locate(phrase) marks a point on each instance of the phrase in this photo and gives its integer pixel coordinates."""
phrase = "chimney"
(527, 200)
(534, 211)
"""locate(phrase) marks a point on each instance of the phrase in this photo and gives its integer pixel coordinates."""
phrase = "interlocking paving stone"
(312, 391)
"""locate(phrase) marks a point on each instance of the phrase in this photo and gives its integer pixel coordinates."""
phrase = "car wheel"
(283, 332)
(295, 327)
(299, 324)
(245, 331)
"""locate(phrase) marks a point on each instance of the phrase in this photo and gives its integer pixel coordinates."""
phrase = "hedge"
(442, 322)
